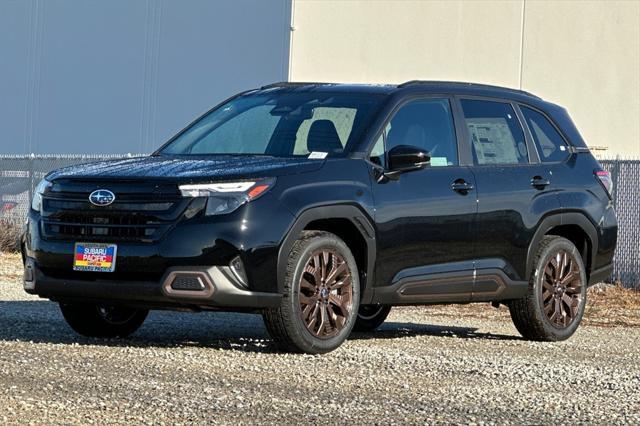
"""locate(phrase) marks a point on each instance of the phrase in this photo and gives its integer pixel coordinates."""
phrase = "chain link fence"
(626, 183)
(20, 174)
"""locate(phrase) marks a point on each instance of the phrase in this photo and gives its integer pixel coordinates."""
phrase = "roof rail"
(462, 84)
(289, 84)
(411, 83)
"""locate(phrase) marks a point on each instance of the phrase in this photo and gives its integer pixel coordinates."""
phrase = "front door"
(424, 218)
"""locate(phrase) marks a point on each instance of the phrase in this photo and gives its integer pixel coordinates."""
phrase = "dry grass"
(10, 267)
(611, 305)
(9, 237)
(608, 305)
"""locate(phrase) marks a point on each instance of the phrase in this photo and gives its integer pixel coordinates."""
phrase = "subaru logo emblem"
(102, 197)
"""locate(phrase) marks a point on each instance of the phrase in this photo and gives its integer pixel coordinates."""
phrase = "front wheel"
(321, 296)
(554, 305)
(102, 321)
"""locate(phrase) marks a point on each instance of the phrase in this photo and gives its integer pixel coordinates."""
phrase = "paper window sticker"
(316, 155)
(439, 161)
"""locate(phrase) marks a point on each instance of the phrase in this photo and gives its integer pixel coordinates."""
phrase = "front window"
(279, 124)
(426, 124)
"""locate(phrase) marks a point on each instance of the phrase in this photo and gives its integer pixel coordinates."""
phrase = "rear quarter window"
(549, 142)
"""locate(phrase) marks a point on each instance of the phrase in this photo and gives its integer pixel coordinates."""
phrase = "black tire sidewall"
(373, 322)
(556, 245)
(301, 335)
(85, 320)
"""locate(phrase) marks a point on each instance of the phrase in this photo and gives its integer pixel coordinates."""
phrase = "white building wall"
(589, 62)
(584, 55)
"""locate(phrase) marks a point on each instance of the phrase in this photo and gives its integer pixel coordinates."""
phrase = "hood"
(219, 167)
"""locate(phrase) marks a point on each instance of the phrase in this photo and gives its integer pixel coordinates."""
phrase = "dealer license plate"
(94, 257)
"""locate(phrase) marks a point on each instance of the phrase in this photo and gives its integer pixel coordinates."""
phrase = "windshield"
(279, 124)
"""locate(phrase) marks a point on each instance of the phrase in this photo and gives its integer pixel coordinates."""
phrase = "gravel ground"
(425, 365)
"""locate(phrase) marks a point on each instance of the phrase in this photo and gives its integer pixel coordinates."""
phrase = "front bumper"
(191, 288)
(252, 233)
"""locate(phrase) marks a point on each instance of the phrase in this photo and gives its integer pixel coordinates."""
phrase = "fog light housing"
(188, 283)
(237, 267)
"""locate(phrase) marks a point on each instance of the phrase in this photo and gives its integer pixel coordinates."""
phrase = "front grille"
(142, 212)
(104, 226)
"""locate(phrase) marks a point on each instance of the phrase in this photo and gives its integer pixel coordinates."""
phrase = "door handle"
(461, 186)
(539, 182)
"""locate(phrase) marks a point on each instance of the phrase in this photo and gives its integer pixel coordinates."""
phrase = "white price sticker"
(315, 155)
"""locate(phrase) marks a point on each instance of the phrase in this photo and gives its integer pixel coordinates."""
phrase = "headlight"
(223, 198)
(36, 202)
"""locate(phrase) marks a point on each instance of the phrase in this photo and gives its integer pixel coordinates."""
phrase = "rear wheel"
(101, 320)
(371, 317)
(321, 297)
(554, 306)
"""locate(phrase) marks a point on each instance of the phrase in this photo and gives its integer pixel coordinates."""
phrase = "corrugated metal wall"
(122, 76)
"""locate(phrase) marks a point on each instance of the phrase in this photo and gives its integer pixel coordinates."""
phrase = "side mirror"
(405, 158)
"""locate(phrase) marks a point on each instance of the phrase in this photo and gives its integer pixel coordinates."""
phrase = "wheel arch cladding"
(576, 228)
(578, 238)
(347, 222)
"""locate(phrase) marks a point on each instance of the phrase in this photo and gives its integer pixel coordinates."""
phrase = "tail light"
(604, 177)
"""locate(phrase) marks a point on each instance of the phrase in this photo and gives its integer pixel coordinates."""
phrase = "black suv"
(323, 205)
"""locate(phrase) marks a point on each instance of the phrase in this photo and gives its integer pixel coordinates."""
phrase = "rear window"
(496, 134)
(549, 143)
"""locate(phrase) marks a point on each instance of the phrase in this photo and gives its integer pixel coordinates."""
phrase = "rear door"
(514, 191)
(425, 217)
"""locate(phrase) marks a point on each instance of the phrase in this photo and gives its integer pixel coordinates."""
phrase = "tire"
(315, 317)
(102, 321)
(371, 317)
(554, 305)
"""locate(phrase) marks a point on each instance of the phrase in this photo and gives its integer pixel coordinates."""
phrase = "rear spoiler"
(578, 149)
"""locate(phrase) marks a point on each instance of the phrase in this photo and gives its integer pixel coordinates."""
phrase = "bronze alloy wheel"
(562, 289)
(326, 294)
